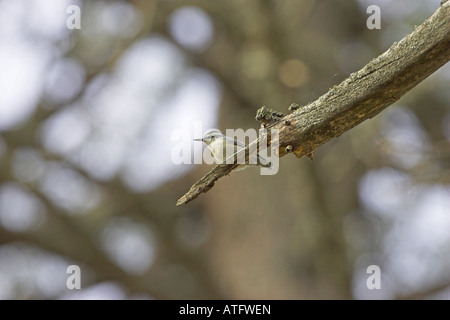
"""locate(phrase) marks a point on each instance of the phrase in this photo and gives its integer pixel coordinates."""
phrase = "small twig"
(207, 182)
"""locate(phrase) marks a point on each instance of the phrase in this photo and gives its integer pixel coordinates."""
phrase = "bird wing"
(236, 142)
(260, 160)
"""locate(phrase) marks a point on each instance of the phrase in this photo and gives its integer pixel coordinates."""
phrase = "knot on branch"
(293, 107)
(268, 116)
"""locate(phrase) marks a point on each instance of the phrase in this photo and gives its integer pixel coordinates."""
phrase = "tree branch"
(360, 97)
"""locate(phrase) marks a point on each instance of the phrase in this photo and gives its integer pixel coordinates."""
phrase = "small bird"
(218, 143)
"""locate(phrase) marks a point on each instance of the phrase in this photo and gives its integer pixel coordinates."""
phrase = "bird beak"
(198, 139)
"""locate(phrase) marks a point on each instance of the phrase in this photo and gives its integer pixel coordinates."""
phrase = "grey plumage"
(218, 143)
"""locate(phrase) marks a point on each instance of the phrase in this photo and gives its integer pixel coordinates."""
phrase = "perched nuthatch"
(223, 147)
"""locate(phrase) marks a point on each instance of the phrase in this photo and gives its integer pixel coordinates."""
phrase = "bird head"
(210, 137)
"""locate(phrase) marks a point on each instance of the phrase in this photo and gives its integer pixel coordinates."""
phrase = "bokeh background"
(89, 120)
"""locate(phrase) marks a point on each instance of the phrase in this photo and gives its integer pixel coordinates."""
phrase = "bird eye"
(212, 138)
